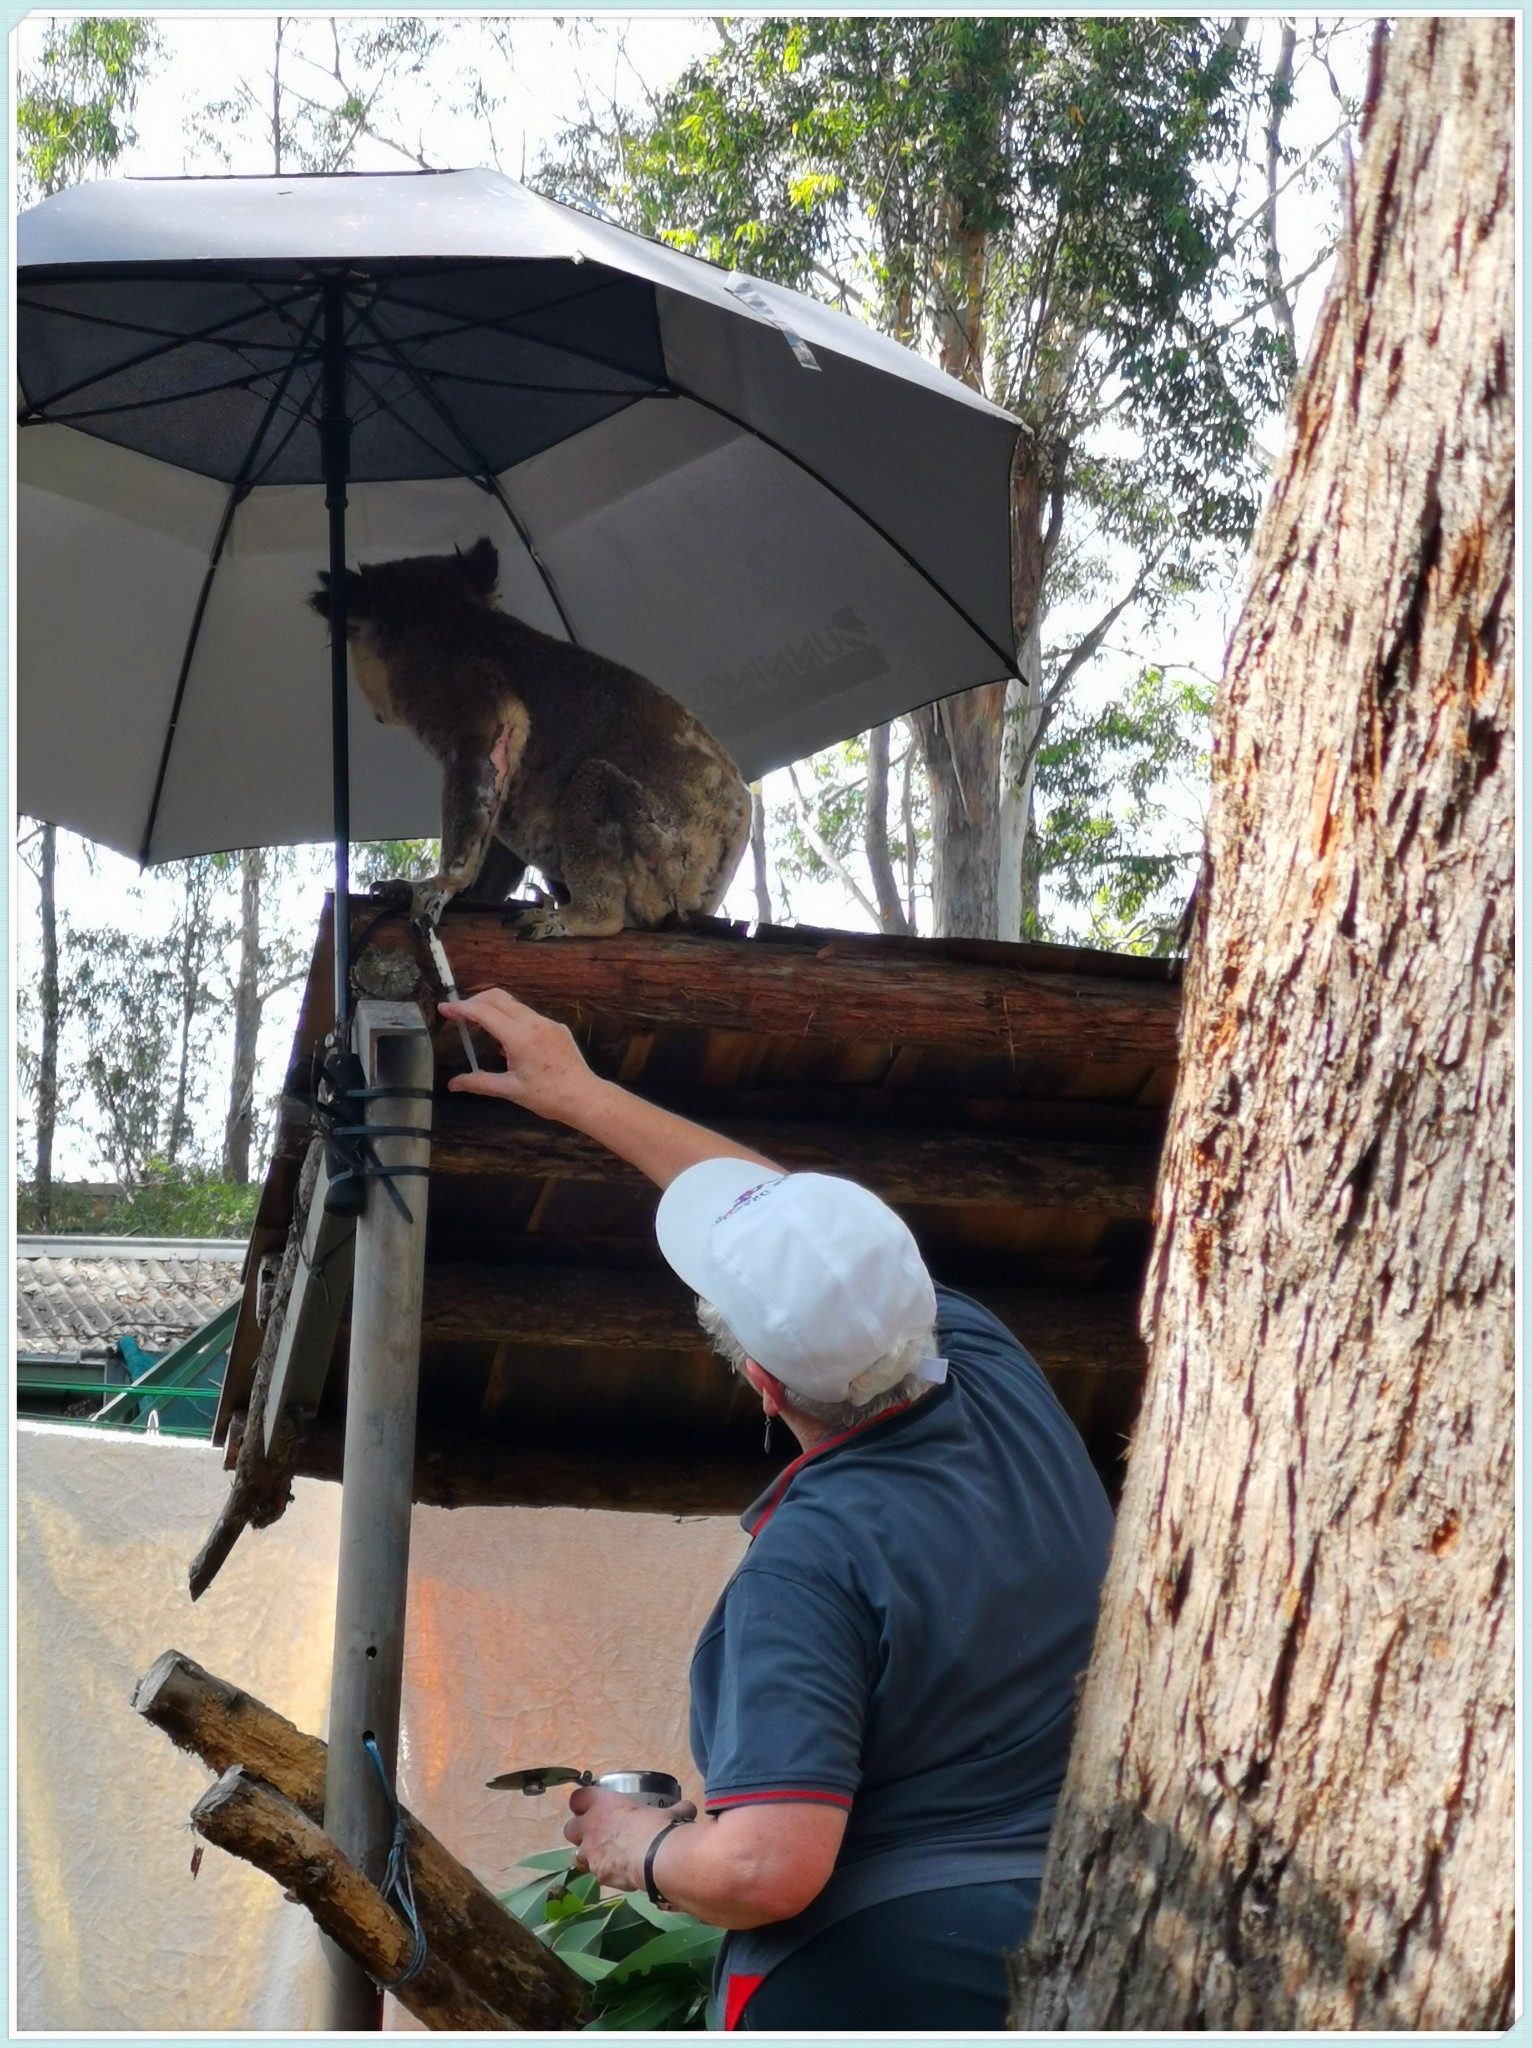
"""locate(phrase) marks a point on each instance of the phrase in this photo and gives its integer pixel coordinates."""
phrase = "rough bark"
(243, 1815)
(495, 1957)
(238, 1123)
(1290, 1800)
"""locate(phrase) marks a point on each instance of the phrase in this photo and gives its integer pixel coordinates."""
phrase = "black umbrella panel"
(793, 525)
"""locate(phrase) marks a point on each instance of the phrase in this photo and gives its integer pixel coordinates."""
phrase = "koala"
(572, 763)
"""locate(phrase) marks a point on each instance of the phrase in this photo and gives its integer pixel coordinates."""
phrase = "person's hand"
(611, 1833)
(544, 1068)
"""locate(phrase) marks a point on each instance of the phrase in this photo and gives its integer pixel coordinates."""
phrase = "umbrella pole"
(335, 441)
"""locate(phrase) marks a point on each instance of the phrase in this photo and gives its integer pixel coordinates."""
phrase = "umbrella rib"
(866, 518)
(171, 342)
(239, 491)
(506, 324)
(482, 472)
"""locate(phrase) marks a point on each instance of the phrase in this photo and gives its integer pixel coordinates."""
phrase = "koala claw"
(542, 924)
(427, 902)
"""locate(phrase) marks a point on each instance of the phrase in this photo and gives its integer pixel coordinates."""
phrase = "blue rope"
(397, 1884)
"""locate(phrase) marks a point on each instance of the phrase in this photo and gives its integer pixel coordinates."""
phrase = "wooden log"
(456, 1469)
(501, 1961)
(937, 1167)
(321, 1288)
(654, 1311)
(839, 991)
(262, 1484)
(243, 1814)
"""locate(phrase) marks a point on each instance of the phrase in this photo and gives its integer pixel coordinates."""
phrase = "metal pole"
(377, 1482)
(335, 454)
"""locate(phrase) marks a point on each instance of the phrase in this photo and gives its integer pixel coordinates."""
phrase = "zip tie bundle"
(397, 1884)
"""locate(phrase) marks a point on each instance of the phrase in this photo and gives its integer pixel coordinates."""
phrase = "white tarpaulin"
(535, 1636)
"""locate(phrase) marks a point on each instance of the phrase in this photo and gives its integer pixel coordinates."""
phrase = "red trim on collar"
(785, 1478)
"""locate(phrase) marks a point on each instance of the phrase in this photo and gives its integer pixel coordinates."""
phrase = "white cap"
(815, 1276)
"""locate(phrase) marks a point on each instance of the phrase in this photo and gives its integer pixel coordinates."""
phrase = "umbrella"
(792, 524)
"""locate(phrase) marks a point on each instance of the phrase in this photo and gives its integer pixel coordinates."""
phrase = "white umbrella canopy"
(790, 523)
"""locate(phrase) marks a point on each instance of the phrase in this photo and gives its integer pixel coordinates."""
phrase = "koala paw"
(428, 900)
(542, 924)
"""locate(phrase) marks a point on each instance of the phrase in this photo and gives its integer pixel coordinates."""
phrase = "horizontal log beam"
(497, 1958)
(937, 1167)
(455, 1469)
(245, 1816)
(649, 980)
(652, 1311)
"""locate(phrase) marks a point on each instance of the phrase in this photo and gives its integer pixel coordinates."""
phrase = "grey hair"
(894, 1375)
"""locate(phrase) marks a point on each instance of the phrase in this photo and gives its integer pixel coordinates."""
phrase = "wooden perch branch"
(262, 1484)
(500, 1962)
(242, 1814)
(845, 992)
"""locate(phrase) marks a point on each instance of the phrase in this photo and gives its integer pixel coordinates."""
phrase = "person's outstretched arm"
(545, 1071)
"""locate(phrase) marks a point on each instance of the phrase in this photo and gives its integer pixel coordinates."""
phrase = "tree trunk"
(758, 854)
(237, 1129)
(875, 835)
(48, 1051)
(1290, 1803)
(960, 741)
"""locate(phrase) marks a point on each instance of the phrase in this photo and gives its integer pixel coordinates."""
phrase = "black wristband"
(656, 1897)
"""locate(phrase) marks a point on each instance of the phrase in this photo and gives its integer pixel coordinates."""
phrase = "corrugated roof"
(82, 1294)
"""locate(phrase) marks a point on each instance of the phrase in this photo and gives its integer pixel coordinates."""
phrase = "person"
(883, 1696)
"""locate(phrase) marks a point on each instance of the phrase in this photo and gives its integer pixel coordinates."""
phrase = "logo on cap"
(743, 1201)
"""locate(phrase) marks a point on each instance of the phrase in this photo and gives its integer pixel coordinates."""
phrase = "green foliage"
(73, 112)
(649, 1969)
(143, 1000)
(1069, 176)
(1101, 818)
(181, 1201)
(382, 860)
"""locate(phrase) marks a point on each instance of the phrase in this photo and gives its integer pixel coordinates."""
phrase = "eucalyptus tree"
(1291, 1802)
(1056, 208)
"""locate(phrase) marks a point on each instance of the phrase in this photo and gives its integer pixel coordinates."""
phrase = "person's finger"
(582, 1799)
(479, 1083)
(684, 1809)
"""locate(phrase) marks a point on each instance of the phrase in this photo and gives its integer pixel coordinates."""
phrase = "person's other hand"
(611, 1833)
(544, 1068)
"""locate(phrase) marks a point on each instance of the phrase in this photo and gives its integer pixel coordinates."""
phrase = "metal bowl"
(649, 1788)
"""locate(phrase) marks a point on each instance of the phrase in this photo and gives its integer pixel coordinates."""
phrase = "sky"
(531, 70)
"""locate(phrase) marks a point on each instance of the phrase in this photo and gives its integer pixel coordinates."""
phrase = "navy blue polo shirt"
(904, 1635)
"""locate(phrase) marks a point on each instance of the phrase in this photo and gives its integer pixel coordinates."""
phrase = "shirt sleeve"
(794, 1680)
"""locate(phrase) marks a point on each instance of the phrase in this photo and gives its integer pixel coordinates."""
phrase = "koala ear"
(356, 603)
(481, 565)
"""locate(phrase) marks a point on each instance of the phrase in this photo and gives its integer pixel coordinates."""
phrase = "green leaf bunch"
(1102, 776)
(649, 1969)
(74, 110)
